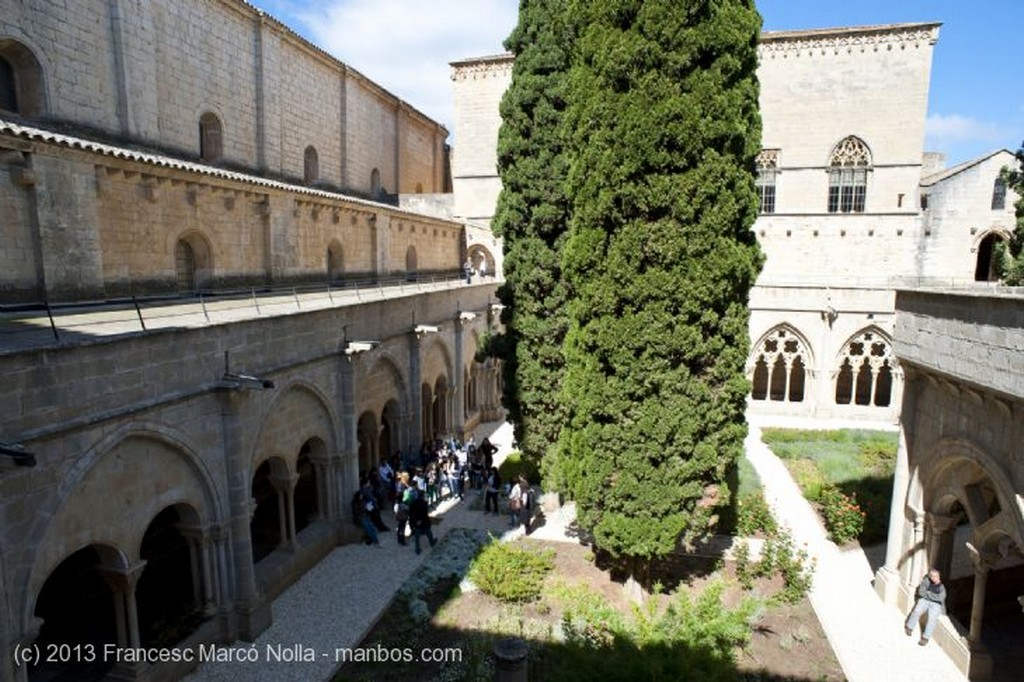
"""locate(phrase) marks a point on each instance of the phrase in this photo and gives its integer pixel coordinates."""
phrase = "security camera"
(426, 329)
(467, 316)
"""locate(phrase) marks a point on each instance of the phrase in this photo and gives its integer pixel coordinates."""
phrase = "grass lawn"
(857, 463)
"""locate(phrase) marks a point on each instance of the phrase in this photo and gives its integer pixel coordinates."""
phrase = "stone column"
(201, 560)
(347, 480)
(122, 582)
(415, 391)
(285, 487)
(253, 615)
(941, 532)
(887, 579)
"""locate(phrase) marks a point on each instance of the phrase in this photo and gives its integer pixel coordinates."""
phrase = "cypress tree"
(532, 217)
(1010, 255)
(660, 258)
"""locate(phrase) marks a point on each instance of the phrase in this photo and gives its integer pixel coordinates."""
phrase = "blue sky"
(977, 88)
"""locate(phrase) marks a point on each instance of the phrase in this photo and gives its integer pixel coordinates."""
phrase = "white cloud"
(957, 128)
(406, 45)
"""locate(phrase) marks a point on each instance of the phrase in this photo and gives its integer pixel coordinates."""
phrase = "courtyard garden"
(845, 474)
(744, 620)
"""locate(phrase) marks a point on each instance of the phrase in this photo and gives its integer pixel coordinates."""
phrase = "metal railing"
(41, 324)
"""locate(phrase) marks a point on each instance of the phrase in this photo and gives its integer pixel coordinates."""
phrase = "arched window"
(865, 375)
(848, 176)
(999, 195)
(335, 260)
(311, 166)
(767, 172)
(8, 87)
(211, 137)
(185, 266)
(375, 188)
(21, 80)
(780, 367)
(410, 261)
(192, 262)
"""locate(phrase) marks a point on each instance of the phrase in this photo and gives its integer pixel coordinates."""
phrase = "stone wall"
(124, 428)
(144, 72)
(85, 224)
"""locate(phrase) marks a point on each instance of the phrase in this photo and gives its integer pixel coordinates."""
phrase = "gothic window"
(767, 173)
(211, 137)
(848, 176)
(999, 195)
(865, 375)
(311, 166)
(780, 367)
(185, 266)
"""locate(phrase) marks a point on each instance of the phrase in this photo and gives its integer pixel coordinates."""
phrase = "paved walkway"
(337, 602)
(865, 633)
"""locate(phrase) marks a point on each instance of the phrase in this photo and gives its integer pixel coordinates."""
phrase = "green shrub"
(754, 516)
(509, 573)
(844, 519)
(778, 557)
(516, 464)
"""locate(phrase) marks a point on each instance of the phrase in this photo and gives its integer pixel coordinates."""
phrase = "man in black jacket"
(419, 520)
(931, 597)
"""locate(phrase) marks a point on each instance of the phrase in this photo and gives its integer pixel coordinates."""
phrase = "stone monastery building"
(854, 214)
(272, 321)
(230, 283)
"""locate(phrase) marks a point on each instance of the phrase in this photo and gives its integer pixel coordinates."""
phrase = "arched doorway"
(168, 595)
(192, 262)
(76, 606)
(267, 525)
(442, 423)
(368, 433)
(306, 497)
(390, 441)
(986, 266)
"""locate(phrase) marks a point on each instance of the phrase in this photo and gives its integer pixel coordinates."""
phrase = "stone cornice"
(851, 39)
(482, 67)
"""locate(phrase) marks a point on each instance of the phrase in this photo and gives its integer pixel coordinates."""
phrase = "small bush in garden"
(778, 556)
(844, 519)
(755, 516)
(516, 464)
(744, 569)
(509, 573)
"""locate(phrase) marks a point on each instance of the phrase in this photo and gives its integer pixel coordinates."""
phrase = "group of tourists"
(413, 484)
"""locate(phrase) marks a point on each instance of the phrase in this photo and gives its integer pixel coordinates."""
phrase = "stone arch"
(335, 260)
(300, 412)
(310, 496)
(268, 525)
(438, 371)
(382, 383)
(866, 370)
(975, 527)
(481, 260)
(22, 82)
(390, 429)
(984, 248)
(126, 477)
(193, 261)
(368, 436)
(170, 591)
(211, 137)
(76, 604)
(780, 364)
